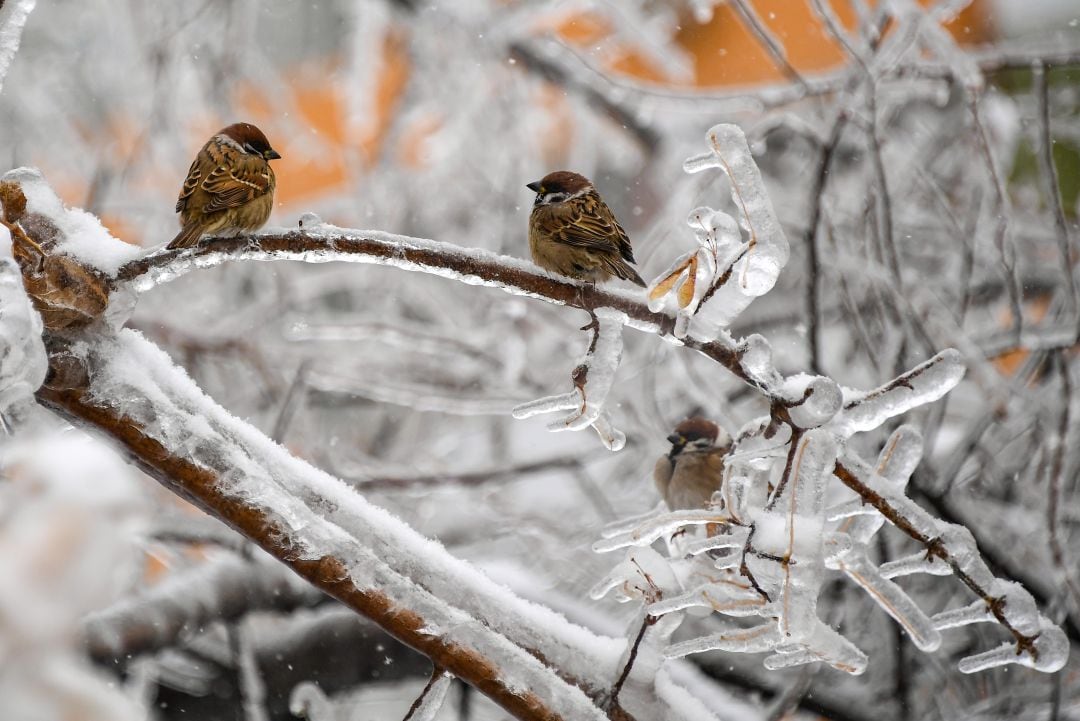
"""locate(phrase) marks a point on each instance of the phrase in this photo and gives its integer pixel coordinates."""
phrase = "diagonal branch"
(474, 658)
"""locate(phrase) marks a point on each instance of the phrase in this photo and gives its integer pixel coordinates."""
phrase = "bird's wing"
(194, 175)
(587, 222)
(230, 185)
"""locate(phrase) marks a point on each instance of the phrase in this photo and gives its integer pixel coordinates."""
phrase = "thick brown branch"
(203, 487)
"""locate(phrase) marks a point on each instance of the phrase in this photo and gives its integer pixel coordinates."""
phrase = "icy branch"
(23, 362)
(525, 657)
(13, 16)
(592, 378)
(715, 283)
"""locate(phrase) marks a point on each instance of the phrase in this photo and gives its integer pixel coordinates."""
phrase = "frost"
(23, 361)
(13, 16)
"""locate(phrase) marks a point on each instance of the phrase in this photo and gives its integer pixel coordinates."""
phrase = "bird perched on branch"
(692, 470)
(229, 188)
(573, 232)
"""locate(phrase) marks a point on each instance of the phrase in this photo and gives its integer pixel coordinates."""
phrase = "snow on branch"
(111, 380)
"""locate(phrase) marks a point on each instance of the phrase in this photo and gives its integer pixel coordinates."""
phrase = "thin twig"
(294, 396)
(1006, 252)
(810, 238)
(646, 623)
(436, 674)
(769, 42)
(1053, 188)
(1057, 472)
(475, 478)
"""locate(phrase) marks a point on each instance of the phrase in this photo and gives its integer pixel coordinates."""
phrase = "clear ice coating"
(23, 361)
(13, 17)
(709, 287)
(770, 541)
(433, 699)
(923, 384)
(593, 379)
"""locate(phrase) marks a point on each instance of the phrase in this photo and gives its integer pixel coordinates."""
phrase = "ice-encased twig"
(593, 379)
(713, 284)
(23, 361)
(1038, 643)
(921, 630)
(767, 253)
(923, 384)
(656, 527)
(434, 694)
(13, 17)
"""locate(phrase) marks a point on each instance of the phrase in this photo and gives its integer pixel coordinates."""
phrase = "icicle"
(593, 379)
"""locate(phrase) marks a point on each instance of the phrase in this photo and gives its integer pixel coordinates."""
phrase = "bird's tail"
(626, 271)
(187, 237)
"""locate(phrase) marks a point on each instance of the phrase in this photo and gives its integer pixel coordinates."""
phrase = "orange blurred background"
(722, 51)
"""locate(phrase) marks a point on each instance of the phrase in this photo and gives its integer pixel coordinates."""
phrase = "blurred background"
(913, 152)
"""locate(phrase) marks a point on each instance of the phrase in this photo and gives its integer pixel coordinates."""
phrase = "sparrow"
(229, 188)
(573, 232)
(692, 470)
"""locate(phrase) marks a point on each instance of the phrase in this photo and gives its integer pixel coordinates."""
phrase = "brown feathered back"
(577, 235)
(229, 187)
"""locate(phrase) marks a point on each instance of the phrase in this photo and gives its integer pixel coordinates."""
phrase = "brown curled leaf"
(664, 286)
(686, 290)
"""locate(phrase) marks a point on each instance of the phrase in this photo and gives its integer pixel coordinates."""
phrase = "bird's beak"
(676, 440)
(534, 186)
(272, 154)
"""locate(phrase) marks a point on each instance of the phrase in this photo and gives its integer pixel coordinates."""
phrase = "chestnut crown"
(558, 186)
(696, 433)
(251, 139)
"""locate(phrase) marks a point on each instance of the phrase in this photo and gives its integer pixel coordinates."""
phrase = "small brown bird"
(573, 232)
(692, 470)
(229, 188)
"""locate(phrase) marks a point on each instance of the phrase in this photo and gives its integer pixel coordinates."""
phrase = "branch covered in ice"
(770, 539)
(13, 17)
(716, 282)
(525, 657)
(592, 378)
(23, 362)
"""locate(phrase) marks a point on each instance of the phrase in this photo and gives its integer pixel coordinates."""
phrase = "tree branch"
(468, 265)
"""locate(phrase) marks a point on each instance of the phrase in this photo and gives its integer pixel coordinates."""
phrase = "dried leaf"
(686, 290)
(66, 293)
(664, 286)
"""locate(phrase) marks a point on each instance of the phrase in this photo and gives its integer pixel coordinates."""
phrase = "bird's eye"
(249, 149)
